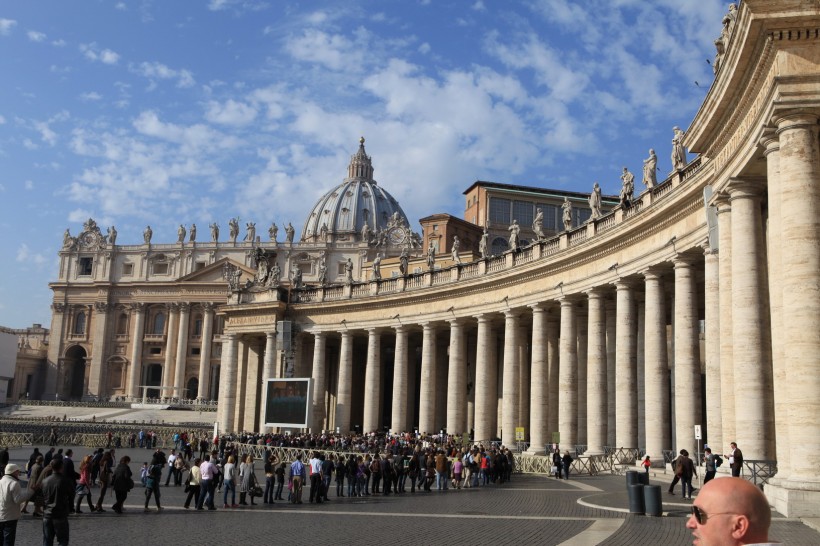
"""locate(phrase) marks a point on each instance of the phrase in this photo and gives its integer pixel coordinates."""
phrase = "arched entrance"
(153, 378)
(75, 372)
(192, 389)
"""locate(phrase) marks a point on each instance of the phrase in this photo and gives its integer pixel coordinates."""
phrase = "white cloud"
(29, 145)
(28, 184)
(230, 112)
(6, 25)
(90, 96)
(59, 69)
(24, 255)
(424, 48)
(93, 53)
(2, 120)
(59, 43)
(333, 51)
(158, 71)
(35, 36)
(2, 188)
(121, 6)
(479, 6)
(237, 5)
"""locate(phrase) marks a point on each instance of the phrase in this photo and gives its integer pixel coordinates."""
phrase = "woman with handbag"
(84, 485)
(194, 483)
(122, 483)
(105, 479)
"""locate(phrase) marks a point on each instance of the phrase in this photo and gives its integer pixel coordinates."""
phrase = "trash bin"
(652, 500)
(636, 503)
(643, 478)
(632, 478)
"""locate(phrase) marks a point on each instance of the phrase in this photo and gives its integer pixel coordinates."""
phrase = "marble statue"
(322, 271)
(431, 255)
(404, 260)
(454, 250)
(261, 259)
(181, 232)
(349, 271)
(627, 188)
(323, 233)
(538, 224)
(68, 240)
(566, 214)
(484, 244)
(678, 151)
(192, 235)
(289, 231)
(366, 233)
(214, 232)
(250, 232)
(233, 229)
(147, 234)
(514, 229)
(377, 267)
(650, 165)
(297, 278)
(273, 231)
(112, 235)
(595, 201)
(275, 275)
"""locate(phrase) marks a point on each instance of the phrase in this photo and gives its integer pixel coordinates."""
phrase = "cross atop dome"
(361, 167)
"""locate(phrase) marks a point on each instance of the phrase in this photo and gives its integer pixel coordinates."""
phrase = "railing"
(635, 208)
(441, 276)
(690, 170)
(496, 263)
(91, 434)
(124, 402)
(524, 256)
(469, 270)
(334, 293)
(308, 296)
(389, 285)
(661, 191)
(668, 456)
(578, 236)
(605, 223)
(361, 290)
(550, 247)
(414, 281)
(758, 471)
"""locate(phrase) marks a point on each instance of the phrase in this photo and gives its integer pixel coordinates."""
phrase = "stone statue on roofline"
(454, 249)
(349, 272)
(322, 271)
(650, 166)
(147, 234)
(181, 232)
(192, 234)
(431, 255)
(566, 214)
(595, 201)
(404, 262)
(112, 235)
(273, 231)
(289, 231)
(233, 229)
(250, 233)
(275, 275)
(297, 277)
(484, 244)
(214, 232)
(678, 150)
(514, 230)
(377, 267)
(538, 224)
(627, 188)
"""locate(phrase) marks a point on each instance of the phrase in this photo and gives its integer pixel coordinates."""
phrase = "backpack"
(718, 461)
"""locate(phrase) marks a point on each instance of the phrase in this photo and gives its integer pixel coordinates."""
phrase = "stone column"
(553, 362)
(486, 381)
(611, 315)
(640, 368)
(750, 323)
(399, 418)
(58, 316)
(581, 325)
(135, 371)
(427, 389)
(372, 382)
(714, 415)
(539, 395)
(253, 386)
(267, 373)
(182, 349)
(170, 350)
(98, 350)
(687, 357)
(227, 384)
(509, 415)
(345, 391)
(800, 255)
(205, 352)
(780, 374)
(568, 381)
(656, 369)
(626, 398)
(523, 379)
(727, 378)
(319, 374)
(596, 373)
(456, 383)
(242, 360)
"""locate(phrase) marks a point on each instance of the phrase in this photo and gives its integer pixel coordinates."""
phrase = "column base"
(794, 499)
(533, 451)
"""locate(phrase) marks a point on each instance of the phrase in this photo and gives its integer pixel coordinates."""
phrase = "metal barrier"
(15, 439)
(758, 471)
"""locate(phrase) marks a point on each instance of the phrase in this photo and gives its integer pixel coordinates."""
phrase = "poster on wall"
(287, 403)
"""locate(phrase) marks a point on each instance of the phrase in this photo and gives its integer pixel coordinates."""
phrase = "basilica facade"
(697, 302)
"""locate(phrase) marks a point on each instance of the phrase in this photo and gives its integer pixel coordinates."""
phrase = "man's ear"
(740, 526)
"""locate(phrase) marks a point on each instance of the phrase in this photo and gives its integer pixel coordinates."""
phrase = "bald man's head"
(733, 510)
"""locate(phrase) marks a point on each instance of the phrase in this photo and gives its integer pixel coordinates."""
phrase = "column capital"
(681, 261)
(596, 293)
(511, 314)
(652, 274)
(746, 188)
(138, 307)
(539, 308)
(796, 120)
(483, 318)
(401, 329)
(172, 307)
(456, 322)
(318, 334)
(270, 335)
(184, 307)
(207, 306)
(624, 284)
(770, 141)
(721, 201)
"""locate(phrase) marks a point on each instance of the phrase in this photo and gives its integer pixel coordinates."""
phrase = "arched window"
(499, 246)
(79, 323)
(159, 324)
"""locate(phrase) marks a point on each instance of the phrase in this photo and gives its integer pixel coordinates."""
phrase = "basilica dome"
(342, 213)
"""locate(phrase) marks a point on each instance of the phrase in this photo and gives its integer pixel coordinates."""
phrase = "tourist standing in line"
(11, 496)
(567, 461)
(229, 483)
(152, 482)
(735, 458)
(194, 484)
(206, 488)
(84, 485)
(122, 482)
(297, 476)
(105, 465)
(711, 467)
(58, 489)
(687, 468)
(270, 480)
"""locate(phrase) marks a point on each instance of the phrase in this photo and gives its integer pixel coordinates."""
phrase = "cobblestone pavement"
(530, 509)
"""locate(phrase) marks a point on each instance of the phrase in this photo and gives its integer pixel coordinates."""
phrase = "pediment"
(213, 272)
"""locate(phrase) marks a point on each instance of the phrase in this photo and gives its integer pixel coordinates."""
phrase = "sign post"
(698, 437)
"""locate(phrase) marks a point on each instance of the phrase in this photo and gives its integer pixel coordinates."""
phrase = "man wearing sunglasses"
(729, 512)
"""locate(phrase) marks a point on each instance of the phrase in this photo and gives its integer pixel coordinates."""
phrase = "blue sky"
(160, 112)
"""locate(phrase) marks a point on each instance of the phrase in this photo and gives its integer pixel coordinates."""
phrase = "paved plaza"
(530, 509)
